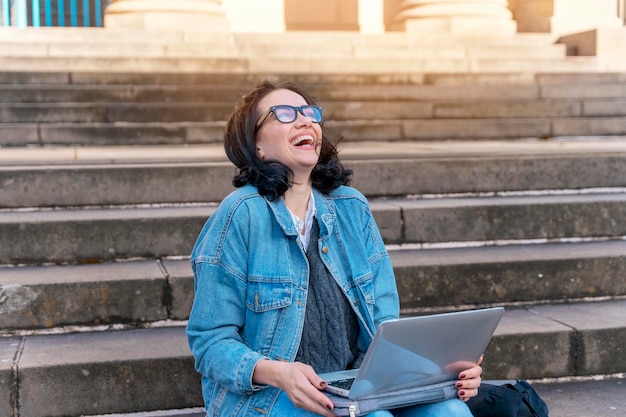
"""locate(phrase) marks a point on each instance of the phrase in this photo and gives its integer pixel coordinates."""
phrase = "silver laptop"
(418, 351)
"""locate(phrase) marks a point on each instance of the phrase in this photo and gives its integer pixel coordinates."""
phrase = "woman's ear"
(260, 153)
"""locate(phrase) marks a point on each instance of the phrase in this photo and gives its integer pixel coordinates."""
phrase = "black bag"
(508, 399)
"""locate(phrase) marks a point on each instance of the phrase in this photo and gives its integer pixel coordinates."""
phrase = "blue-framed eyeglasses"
(285, 113)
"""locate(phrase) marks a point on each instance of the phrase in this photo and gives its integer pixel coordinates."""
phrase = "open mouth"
(306, 140)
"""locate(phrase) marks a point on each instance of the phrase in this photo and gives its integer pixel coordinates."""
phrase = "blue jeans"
(449, 408)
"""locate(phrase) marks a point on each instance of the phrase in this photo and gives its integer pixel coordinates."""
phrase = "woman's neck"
(297, 198)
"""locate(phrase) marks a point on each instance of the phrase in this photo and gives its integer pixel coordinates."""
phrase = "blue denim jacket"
(251, 277)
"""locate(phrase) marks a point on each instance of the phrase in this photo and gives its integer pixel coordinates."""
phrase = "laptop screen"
(418, 351)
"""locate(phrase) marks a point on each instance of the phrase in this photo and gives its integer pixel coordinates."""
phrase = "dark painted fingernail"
(459, 384)
(461, 393)
(330, 407)
(462, 376)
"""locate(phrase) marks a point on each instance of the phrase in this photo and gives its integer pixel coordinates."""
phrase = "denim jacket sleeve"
(361, 240)
(218, 312)
(387, 305)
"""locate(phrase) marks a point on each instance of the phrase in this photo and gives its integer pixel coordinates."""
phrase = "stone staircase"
(302, 52)
(67, 108)
(490, 188)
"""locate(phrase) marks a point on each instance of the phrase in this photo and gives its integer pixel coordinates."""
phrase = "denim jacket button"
(325, 250)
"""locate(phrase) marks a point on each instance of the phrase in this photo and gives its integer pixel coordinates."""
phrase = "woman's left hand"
(469, 381)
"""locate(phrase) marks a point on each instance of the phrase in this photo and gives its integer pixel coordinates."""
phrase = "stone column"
(371, 16)
(255, 16)
(192, 15)
(457, 17)
(581, 15)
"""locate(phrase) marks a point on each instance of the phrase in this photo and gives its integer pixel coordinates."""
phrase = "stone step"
(119, 42)
(346, 52)
(597, 78)
(509, 275)
(111, 134)
(64, 77)
(113, 112)
(466, 92)
(588, 99)
(108, 109)
(123, 94)
(68, 235)
(58, 373)
(45, 93)
(469, 129)
(190, 133)
(353, 111)
(336, 80)
(120, 93)
(565, 397)
(102, 372)
(104, 36)
(151, 291)
(343, 65)
(292, 49)
(471, 109)
(184, 412)
(582, 397)
(124, 175)
(58, 48)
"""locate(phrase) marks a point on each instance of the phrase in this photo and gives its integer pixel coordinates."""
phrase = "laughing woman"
(291, 274)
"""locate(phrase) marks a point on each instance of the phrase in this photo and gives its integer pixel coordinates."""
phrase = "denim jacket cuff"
(258, 387)
(246, 371)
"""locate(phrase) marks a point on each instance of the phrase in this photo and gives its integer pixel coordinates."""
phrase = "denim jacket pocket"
(268, 294)
(365, 284)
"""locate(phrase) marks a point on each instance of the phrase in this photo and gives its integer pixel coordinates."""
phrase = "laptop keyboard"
(342, 383)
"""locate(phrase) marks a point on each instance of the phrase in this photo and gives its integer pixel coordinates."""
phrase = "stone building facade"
(462, 17)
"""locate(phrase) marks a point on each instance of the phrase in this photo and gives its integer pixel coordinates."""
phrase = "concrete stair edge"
(335, 95)
(551, 341)
(164, 37)
(171, 230)
(292, 48)
(563, 397)
(165, 175)
(424, 130)
(68, 77)
(349, 65)
(337, 112)
(159, 290)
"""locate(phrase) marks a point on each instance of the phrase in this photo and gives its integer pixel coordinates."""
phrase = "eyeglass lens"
(287, 114)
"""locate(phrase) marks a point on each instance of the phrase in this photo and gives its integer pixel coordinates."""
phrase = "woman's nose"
(303, 120)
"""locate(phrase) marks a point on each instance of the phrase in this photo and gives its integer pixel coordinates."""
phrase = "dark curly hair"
(272, 178)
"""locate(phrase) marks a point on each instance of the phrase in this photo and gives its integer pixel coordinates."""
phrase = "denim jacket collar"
(325, 214)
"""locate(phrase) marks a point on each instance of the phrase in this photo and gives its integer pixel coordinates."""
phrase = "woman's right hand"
(299, 381)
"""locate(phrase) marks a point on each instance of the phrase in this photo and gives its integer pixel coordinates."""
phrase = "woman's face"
(296, 144)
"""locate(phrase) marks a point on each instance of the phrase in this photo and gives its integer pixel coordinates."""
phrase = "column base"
(167, 21)
(181, 15)
(460, 25)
